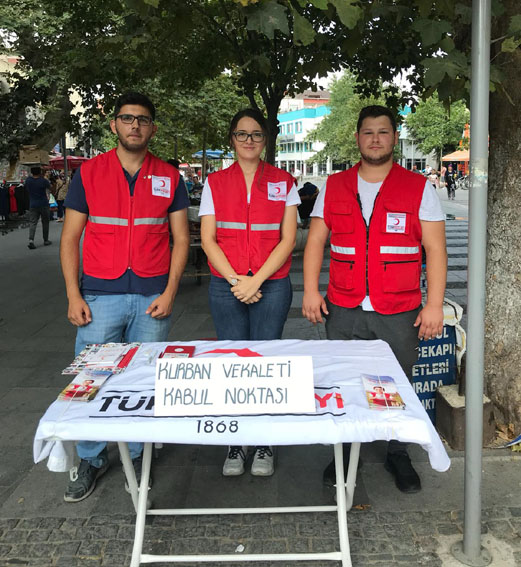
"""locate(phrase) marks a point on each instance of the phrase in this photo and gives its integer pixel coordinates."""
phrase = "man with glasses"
(124, 202)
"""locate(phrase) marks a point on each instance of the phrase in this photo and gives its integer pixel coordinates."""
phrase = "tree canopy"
(433, 128)
(337, 129)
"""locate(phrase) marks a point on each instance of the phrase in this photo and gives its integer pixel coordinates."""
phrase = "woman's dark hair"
(135, 98)
(249, 113)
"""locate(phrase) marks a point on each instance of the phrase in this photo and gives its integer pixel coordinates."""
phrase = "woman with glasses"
(248, 229)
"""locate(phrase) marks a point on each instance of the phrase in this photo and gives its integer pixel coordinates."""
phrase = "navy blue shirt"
(37, 189)
(129, 282)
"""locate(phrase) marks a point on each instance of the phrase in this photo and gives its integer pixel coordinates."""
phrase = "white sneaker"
(263, 462)
(234, 463)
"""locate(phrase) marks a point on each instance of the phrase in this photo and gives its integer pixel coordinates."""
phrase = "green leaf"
(431, 31)
(303, 32)
(349, 15)
(435, 69)
(424, 7)
(510, 44)
(154, 3)
(447, 44)
(514, 27)
(320, 4)
(268, 18)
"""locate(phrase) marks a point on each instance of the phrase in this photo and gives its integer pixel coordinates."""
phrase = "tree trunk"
(271, 146)
(503, 296)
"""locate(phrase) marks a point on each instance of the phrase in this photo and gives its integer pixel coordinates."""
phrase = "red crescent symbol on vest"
(238, 351)
(162, 183)
(396, 221)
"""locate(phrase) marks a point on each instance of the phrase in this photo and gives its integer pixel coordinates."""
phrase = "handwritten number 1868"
(209, 426)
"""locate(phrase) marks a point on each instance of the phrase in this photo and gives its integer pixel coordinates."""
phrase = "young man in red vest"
(125, 202)
(379, 215)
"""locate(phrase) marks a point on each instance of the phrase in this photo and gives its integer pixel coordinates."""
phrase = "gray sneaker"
(83, 481)
(137, 463)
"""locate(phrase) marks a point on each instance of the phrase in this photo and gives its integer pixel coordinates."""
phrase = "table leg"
(341, 502)
(141, 511)
(128, 469)
(351, 473)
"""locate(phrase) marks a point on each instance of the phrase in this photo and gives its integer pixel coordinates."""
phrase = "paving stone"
(101, 532)
(91, 548)
(40, 534)
(424, 529)
(51, 523)
(77, 562)
(5, 549)
(126, 532)
(448, 529)
(15, 536)
(29, 524)
(516, 512)
(223, 530)
(67, 548)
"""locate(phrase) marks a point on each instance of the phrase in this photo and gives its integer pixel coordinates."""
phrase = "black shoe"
(31, 245)
(47, 243)
(329, 474)
(83, 481)
(405, 477)
(137, 463)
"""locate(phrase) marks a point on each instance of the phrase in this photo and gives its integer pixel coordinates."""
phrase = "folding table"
(123, 412)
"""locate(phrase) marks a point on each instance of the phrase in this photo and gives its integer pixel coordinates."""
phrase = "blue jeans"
(118, 318)
(259, 321)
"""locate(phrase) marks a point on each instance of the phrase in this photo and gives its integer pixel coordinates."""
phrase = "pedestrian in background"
(62, 186)
(248, 229)
(38, 188)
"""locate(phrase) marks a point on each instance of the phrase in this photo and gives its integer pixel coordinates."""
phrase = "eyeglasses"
(242, 136)
(129, 119)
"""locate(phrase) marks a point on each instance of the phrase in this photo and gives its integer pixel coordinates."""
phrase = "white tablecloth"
(123, 409)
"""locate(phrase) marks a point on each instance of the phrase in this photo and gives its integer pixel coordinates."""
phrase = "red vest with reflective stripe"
(247, 234)
(383, 260)
(125, 232)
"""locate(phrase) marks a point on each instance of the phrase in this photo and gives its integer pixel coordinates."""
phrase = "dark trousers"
(397, 330)
(34, 214)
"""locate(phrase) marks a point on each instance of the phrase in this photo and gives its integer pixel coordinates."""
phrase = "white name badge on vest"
(161, 186)
(277, 191)
(396, 222)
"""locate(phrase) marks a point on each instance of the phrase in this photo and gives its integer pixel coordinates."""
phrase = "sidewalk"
(38, 528)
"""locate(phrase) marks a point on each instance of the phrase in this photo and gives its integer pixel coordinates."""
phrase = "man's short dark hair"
(37, 170)
(175, 162)
(374, 111)
(132, 97)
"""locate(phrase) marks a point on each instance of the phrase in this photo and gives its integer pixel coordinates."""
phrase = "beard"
(378, 160)
(133, 146)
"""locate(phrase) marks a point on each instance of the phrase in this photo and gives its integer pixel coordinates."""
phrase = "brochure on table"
(123, 410)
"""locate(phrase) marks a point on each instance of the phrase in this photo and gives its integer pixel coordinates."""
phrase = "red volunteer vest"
(384, 259)
(125, 232)
(247, 234)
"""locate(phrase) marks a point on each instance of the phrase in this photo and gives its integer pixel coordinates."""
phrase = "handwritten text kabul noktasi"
(232, 386)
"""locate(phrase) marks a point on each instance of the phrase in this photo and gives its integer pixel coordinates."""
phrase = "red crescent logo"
(162, 183)
(238, 351)
(396, 221)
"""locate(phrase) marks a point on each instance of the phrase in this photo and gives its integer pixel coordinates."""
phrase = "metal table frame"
(344, 497)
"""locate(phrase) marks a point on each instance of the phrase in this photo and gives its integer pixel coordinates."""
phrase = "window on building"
(289, 128)
(281, 129)
(322, 168)
(298, 126)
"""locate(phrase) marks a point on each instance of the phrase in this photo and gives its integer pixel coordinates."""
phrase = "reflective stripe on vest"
(273, 226)
(236, 225)
(109, 220)
(399, 249)
(342, 249)
(150, 220)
